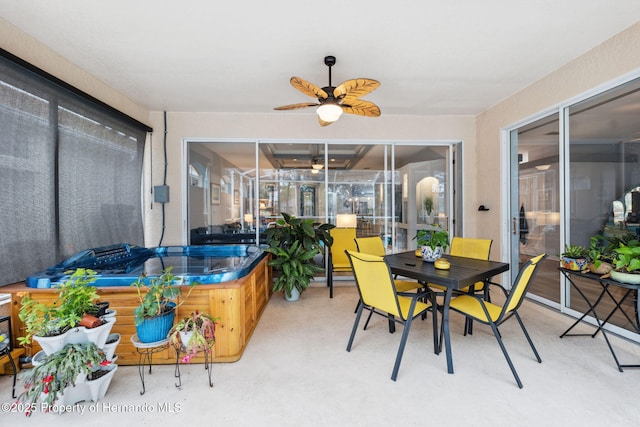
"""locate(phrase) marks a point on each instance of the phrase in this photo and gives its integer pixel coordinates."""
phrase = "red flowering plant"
(193, 333)
(58, 371)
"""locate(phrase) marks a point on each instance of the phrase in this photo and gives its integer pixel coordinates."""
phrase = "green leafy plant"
(59, 371)
(157, 295)
(601, 250)
(294, 242)
(436, 236)
(76, 297)
(574, 251)
(202, 327)
(428, 205)
(628, 257)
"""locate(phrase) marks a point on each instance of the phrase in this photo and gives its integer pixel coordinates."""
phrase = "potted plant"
(432, 243)
(193, 333)
(294, 242)
(601, 254)
(58, 324)
(154, 315)
(574, 257)
(67, 377)
(627, 263)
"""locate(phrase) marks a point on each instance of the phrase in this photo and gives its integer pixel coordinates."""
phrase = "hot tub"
(122, 264)
(235, 285)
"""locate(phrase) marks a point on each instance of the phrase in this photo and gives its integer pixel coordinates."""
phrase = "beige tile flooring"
(296, 372)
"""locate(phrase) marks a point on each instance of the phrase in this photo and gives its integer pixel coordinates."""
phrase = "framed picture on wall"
(215, 194)
(236, 197)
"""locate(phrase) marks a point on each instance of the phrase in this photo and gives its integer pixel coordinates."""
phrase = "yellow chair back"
(343, 240)
(469, 247)
(519, 288)
(374, 281)
(370, 245)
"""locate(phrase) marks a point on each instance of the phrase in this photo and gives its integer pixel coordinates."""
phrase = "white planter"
(39, 358)
(110, 313)
(110, 349)
(77, 335)
(185, 337)
(84, 390)
(630, 278)
(295, 295)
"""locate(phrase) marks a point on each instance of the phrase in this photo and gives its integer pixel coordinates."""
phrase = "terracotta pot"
(89, 321)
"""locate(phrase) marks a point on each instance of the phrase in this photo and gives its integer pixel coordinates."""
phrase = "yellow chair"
(343, 240)
(374, 246)
(476, 308)
(469, 248)
(378, 295)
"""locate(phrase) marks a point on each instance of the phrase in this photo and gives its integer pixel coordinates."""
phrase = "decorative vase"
(295, 295)
(156, 328)
(77, 335)
(631, 278)
(430, 255)
(575, 264)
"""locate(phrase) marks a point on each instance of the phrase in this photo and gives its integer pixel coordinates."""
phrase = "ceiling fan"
(333, 101)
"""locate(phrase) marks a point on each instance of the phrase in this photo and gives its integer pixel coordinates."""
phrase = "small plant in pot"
(154, 316)
(60, 370)
(627, 263)
(194, 333)
(601, 254)
(432, 243)
(574, 257)
(294, 243)
(76, 299)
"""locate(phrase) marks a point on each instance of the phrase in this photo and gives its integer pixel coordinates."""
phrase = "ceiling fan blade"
(322, 122)
(296, 106)
(308, 88)
(360, 108)
(355, 88)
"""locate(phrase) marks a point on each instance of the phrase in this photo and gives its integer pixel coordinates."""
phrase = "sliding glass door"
(236, 190)
(575, 174)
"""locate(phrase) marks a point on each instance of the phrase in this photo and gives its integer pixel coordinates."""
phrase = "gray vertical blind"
(70, 174)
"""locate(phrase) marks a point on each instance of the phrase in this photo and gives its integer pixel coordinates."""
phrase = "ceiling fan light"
(317, 167)
(329, 112)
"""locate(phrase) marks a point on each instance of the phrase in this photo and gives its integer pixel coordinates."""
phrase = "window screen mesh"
(70, 172)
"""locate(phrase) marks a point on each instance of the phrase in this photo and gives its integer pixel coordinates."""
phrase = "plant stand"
(208, 363)
(146, 352)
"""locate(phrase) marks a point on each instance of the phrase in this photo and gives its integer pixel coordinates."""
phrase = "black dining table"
(462, 273)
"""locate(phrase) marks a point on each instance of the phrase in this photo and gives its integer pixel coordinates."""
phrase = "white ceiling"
(431, 56)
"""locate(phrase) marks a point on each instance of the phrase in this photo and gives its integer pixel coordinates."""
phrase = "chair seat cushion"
(405, 305)
(472, 306)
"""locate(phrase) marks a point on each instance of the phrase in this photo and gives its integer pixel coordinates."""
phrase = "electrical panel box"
(161, 194)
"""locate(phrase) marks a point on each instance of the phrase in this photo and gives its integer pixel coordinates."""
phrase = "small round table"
(145, 351)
